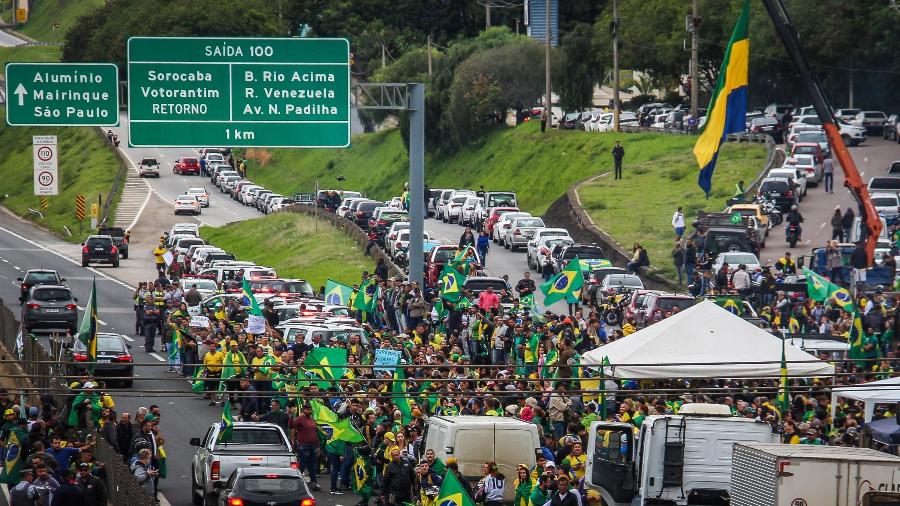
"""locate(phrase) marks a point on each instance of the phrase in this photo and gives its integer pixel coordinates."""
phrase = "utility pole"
(383, 56)
(517, 26)
(850, 98)
(429, 57)
(487, 16)
(548, 103)
(616, 105)
(695, 49)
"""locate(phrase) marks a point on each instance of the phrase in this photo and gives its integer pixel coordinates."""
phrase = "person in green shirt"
(523, 486)
(540, 493)
(434, 463)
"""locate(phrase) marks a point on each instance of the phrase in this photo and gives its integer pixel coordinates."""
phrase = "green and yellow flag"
(337, 293)
(728, 106)
(249, 299)
(452, 492)
(452, 282)
(564, 284)
(367, 296)
(12, 461)
(226, 425)
(87, 332)
(330, 364)
(857, 338)
(783, 401)
(330, 425)
(362, 475)
(400, 397)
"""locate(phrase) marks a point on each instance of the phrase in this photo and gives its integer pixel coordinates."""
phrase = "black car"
(478, 284)
(364, 211)
(113, 358)
(265, 486)
(562, 256)
(35, 277)
(99, 248)
(780, 192)
(120, 238)
(768, 125)
(50, 307)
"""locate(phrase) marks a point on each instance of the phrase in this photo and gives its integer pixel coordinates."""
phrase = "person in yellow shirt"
(158, 257)
(212, 361)
(575, 462)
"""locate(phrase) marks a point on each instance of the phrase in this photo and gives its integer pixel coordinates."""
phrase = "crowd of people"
(494, 354)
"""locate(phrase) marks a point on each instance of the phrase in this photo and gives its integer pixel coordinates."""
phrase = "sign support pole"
(416, 181)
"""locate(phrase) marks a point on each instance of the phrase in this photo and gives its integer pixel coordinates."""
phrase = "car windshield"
(295, 287)
(666, 304)
(272, 484)
(186, 198)
(99, 242)
(444, 254)
(51, 294)
(584, 252)
(625, 280)
(202, 284)
(530, 222)
(480, 284)
(773, 186)
(40, 277)
(255, 436)
(740, 258)
(885, 183)
(811, 137)
(187, 243)
(104, 343)
(189, 161)
(394, 216)
(884, 202)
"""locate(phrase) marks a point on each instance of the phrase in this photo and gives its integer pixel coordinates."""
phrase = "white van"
(474, 440)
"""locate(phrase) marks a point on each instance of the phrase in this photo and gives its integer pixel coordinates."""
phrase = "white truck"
(251, 444)
(673, 459)
(806, 475)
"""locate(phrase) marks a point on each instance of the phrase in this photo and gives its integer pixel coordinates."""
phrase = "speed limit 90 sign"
(46, 161)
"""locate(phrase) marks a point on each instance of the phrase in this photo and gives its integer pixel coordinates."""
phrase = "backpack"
(643, 259)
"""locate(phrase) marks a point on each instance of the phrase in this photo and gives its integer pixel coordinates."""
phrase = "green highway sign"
(220, 91)
(62, 94)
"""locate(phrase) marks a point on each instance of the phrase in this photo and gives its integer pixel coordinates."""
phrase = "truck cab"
(669, 459)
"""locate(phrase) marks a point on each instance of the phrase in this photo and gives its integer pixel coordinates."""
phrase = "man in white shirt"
(741, 280)
(678, 224)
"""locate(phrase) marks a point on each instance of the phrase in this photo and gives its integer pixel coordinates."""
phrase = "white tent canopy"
(703, 341)
(872, 393)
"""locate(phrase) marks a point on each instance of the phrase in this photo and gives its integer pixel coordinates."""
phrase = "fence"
(121, 174)
(44, 373)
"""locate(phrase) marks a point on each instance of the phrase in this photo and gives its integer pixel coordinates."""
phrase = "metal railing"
(121, 486)
(121, 174)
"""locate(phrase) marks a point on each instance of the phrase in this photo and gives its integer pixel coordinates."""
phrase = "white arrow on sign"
(21, 92)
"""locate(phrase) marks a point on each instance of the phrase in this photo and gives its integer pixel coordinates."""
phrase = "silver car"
(521, 231)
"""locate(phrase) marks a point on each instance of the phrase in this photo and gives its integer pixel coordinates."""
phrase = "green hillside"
(86, 167)
(50, 19)
(539, 167)
(28, 54)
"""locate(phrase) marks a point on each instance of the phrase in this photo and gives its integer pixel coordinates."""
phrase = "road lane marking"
(822, 225)
(67, 259)
(806, 242)
(157, 357)
(129, 339)
(16, 267)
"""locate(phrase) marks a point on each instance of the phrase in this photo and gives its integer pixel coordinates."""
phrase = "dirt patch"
(260, 156)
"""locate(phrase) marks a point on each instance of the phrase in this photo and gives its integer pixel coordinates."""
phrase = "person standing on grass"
(544, 118)
(678, 223)
(678, 260)
(618, 153)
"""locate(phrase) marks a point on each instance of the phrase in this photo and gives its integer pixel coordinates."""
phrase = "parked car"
(187, 165)
(809, 148)
(187, 204)
(113, 358)
(846, 114)
(872, 121)
(887, 205)
(781, 191)
(521, 230)
(736, 258)
(797, 176)
(50, 307)
(99, 248)
(657, 305)
(613, 283)
(148, 167)
(768, 125)
(120, 238)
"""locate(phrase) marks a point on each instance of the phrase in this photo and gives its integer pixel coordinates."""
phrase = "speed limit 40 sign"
(46, 165)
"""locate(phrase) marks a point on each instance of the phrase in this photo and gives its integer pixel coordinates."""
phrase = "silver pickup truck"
(251, 445)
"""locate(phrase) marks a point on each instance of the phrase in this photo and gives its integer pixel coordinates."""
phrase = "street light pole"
(616, 105)
(695, 49)
(548, 102)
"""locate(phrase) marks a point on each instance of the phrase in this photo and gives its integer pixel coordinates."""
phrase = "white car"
(201, 194)
(148, 167)
(245, 192)
(469, 213)
(344, 209)
(185, 228)
(184, 244)
(401, 242)
(792, 173)
(807, 164)
(735, 258)
(453, 210)
(393, 231)
(539, 248)
(206, 287)
(396, 203)
(504, 224)
(887, 205)
(870, 120)
(446, 197)
(520, 231)
(607, 121)
(187, 204)
(220, 177)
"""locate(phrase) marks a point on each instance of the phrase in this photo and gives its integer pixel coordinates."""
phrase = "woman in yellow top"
(523, 486)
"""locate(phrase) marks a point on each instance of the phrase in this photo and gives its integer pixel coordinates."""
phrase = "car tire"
(84, 264)
(196, 498)
(127, 383)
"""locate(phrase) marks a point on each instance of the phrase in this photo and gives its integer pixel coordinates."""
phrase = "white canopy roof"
(884, 391)
(703, 341)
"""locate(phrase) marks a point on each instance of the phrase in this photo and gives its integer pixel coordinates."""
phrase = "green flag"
(564, 284)
(367, 296)
(250, 300)
(782, 401)
(400, 398)
(87, 332)
(94, 405)
(330, 425)
(857, 339)
(232, 365)
(362, 475)
(13, 461)
(452, 492)
(337, 293)
(819, 288)
(321, 413)
(330, 364)
(197, 384)
(451, 281)
(226, 424)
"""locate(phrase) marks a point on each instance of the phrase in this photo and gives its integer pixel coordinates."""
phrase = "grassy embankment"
(86, 167)
(40, 54)
(288, 243)
(660, 174)
(45, 15)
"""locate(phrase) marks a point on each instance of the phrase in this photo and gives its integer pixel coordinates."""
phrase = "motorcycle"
(612, 309)
(400, 259)
(792, 234)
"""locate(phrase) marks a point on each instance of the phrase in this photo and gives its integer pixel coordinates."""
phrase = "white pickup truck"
(250, 445)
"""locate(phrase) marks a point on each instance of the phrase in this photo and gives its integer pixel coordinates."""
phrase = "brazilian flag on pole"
(452, 282)
(452, 492)
(87, 332)
(728, 106)
(362, 475)
(226, 424)
(337, 293)
(783, 401)
(400, 398)
(250, 300)
(367, 296)
(334, 428)
(564, 284)
(12, 458)
(329, 364)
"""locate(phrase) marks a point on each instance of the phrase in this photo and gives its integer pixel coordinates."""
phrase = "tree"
(577, 68)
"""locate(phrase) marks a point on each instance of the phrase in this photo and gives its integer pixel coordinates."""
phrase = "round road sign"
(45, 178)
(45, 153)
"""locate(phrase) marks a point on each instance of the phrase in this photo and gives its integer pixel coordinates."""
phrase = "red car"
(437, 257)
(809, 148)
(494, 217)
(187, 165)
